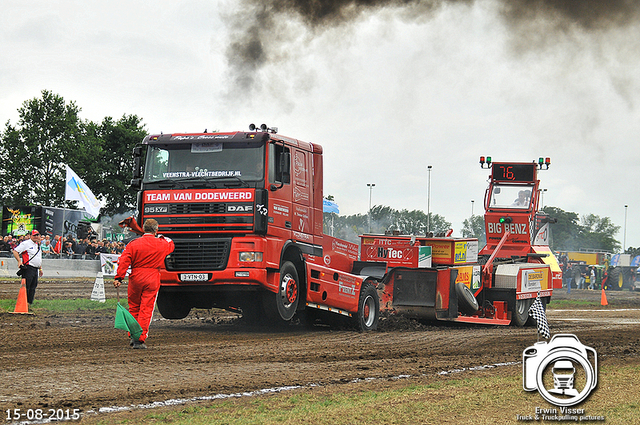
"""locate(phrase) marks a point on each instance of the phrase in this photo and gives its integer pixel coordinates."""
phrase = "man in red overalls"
(146, 256)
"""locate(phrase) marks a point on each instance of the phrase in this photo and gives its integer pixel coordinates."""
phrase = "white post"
(429, 200)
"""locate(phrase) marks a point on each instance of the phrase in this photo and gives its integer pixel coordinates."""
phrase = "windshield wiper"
(239, 180)
(229, 183)
(206, 181)
(167, 183)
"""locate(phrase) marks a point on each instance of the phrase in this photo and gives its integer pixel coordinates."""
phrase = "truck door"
(301, 186)
(280, 207)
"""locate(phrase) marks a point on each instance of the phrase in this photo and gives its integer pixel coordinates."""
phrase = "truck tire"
(288, 295)
(615, 279)
(467, 302)
(368, 315)
(173, 305)
(520, 314)
(252, 311)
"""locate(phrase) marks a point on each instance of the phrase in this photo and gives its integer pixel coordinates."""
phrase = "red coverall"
(146, 256)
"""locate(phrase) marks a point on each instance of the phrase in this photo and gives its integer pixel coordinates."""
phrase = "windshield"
(205, 161)
(510, 196)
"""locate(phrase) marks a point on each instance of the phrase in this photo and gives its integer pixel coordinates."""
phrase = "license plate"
(194, 277)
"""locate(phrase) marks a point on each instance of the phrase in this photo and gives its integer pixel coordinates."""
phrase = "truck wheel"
(615, 279)
(368, 314)
(521, 312)
(467, 302)
(288, 292)
(252, 312)
(173, 305)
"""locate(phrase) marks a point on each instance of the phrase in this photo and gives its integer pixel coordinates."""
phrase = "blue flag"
(77, 190)
(330, 207)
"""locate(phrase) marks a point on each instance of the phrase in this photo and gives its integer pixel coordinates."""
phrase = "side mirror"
(285, 167)
(136, 181)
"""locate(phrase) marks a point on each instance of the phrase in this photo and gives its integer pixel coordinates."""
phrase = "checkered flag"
(537, 312)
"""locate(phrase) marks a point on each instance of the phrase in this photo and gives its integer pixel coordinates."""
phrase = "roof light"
(263, 127)
(544, 163)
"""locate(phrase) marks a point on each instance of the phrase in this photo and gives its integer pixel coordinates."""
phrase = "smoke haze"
(266, 32)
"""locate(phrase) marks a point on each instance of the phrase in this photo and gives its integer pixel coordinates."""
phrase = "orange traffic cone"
(603, 298)
(21, 304)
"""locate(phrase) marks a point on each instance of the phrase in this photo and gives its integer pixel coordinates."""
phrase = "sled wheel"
(467, 303)
(368, 314)
(288, 292)
(521, 312)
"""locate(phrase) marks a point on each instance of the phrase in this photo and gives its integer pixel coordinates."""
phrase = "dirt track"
(78, 360)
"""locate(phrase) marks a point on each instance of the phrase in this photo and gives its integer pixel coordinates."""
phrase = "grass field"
(494, 399)
(564, 304)
(79, 304)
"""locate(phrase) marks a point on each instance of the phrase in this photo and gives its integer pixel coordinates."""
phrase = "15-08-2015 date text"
(42, 414)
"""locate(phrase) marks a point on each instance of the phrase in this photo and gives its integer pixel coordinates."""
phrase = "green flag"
(126, 322)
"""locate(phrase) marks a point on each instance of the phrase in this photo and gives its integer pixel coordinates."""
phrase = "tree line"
(48, 135)
(383, 219)
(570, 233)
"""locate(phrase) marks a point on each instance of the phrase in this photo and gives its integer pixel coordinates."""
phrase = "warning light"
(505, 220)
(544, 163)
(485, 160)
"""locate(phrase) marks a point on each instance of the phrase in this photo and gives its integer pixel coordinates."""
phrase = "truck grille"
(199, 254)
(199, 217)
(199, 208)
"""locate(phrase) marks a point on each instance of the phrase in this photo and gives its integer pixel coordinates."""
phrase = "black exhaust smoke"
(262, 30)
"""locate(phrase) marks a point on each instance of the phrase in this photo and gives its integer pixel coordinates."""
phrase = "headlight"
(251, 256)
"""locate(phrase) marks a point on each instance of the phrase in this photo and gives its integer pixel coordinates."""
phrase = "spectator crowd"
(69, 248)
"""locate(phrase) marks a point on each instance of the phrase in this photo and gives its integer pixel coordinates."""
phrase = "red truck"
(245, 210)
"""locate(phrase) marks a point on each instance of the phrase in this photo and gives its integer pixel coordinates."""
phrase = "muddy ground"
(78, 360)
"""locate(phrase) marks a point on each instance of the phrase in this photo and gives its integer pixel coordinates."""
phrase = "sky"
(387, 87)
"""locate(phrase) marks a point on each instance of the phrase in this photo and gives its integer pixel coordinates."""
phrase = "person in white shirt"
(29, 257)
(592, 278)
